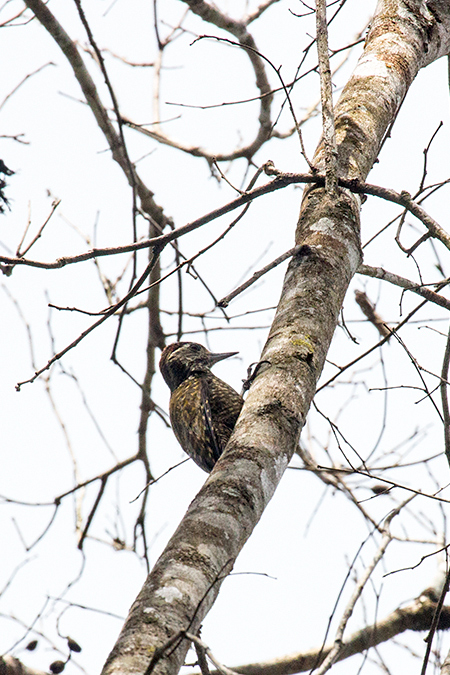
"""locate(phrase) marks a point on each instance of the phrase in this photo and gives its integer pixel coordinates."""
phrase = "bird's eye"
(195, 347)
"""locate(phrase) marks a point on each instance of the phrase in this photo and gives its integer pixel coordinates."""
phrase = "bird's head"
(182, 359)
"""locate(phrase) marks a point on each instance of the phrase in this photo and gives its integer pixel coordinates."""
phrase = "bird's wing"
(226, 405)
(210, 433)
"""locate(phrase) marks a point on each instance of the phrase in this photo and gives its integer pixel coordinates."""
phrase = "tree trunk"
(404, 37)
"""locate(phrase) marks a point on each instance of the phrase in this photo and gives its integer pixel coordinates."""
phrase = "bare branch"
(333, 655)
(86, 332)
(212, 15)
(69, 48)
(282, 180)
(326, 90)
(223, 670)
(381, 273)
(444, 397)
(257, 275)
(13, 91)
(368, 309)
(415, 616)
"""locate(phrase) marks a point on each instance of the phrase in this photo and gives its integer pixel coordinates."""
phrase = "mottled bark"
(404, 37)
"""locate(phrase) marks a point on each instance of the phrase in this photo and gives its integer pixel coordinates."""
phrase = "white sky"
(308, 534)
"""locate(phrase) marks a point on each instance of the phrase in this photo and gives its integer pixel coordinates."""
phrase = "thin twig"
(326, 94)
(92, 512)
(220, 667)
(201, 657)
(257, 275)
(386, 540)
(13, 91)
(20, 253)
(444, 397)
(86, 332)
(435, 622)
(252, 49)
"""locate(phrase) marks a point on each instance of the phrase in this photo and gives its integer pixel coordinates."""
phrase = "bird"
(203, 408)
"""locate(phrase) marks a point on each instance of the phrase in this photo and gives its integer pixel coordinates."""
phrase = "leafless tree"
(394, 482)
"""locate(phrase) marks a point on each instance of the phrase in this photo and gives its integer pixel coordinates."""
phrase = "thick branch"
(186, 579)
(403, 38)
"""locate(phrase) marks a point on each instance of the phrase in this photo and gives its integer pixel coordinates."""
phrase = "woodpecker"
(203, 409)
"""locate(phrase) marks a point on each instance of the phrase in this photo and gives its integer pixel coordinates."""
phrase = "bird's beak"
(214, 358)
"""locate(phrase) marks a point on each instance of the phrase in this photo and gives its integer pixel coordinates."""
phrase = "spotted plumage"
(203, 408)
